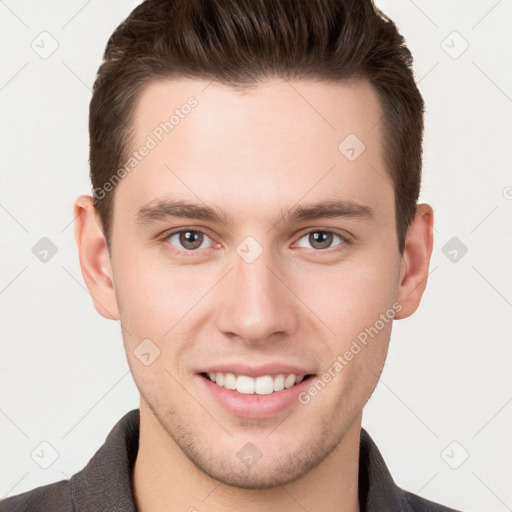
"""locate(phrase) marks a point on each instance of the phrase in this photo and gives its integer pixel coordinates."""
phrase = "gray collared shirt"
(104, 485)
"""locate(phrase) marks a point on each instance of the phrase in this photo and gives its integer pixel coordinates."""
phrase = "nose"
(256, 304)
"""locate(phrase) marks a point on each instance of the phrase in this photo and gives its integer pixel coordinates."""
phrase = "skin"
(254, 156)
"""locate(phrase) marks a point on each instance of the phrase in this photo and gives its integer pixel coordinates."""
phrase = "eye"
(188, 239)
(320, 239)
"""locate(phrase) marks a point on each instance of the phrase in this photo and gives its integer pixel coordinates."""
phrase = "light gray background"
(64, 377)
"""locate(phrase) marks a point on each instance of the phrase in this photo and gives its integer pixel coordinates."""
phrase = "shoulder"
(379, 492)
(418, 504)
(103, 484)
(55, 497)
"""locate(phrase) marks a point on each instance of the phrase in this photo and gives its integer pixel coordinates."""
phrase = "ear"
(94, 257)
(415, 261)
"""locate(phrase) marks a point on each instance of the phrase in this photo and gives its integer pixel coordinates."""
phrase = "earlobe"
(94, 257)
(415, 261)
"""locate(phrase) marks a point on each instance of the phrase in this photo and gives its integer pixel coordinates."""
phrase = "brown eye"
(320, 240)
(187, 239)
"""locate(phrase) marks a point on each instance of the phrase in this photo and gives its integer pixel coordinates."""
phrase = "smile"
(264, 385)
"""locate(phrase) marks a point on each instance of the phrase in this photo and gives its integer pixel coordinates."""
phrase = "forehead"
(291, 109)
(264, 148)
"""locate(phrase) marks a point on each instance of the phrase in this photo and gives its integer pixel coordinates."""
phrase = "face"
(248, 241)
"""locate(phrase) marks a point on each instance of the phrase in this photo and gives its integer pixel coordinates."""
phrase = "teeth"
(264, 385)
(244, 384)
(289, 381)
(229, 381)
(278, 382)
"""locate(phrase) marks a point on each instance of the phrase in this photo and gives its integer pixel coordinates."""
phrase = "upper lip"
(257, 371)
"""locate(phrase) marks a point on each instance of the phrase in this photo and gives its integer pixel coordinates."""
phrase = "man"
(254, 226)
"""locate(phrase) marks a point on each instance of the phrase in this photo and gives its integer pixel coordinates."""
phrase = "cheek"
(357, 303)
(156, 302)
(162, 303)
(351, 296)
(154, 295)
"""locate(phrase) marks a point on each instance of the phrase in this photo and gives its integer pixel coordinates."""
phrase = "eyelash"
(345, 240)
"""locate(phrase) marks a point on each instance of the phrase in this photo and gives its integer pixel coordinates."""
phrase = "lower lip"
(255, 406)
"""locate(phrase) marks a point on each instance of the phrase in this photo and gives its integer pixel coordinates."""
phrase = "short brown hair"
(240, 43)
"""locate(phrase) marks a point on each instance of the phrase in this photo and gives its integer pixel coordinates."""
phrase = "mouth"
(261, 385)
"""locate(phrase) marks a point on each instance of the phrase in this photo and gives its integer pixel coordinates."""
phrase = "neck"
(163, 475)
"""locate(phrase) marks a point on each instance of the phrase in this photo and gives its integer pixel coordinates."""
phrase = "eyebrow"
(161, 209)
